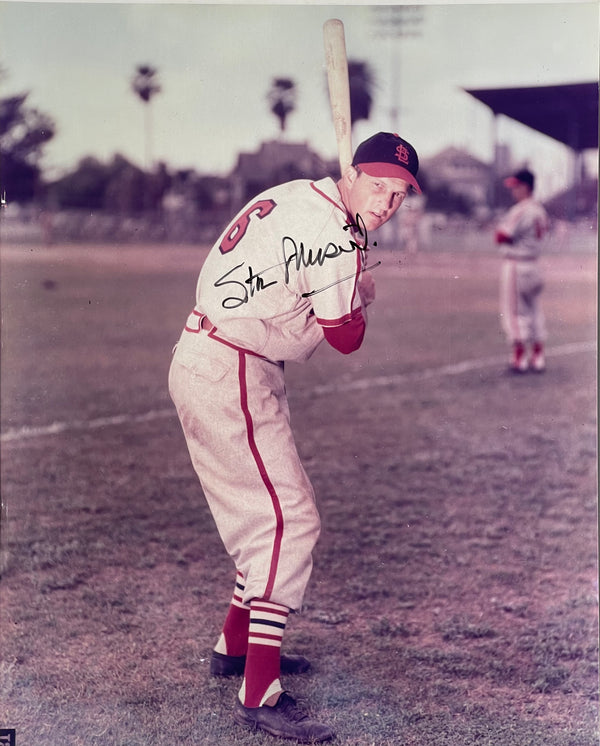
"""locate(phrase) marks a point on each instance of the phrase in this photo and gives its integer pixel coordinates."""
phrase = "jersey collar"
(327, 188)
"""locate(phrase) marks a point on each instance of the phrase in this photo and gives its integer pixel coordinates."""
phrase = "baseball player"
(519, 235)
(288, 272)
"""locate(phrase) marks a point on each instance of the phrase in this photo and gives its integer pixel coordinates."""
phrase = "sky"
(216, 63)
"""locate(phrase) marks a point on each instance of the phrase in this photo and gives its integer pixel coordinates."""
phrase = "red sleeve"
(349, 336)
(502, 237)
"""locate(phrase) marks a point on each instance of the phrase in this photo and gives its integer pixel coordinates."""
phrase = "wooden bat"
(339, 88)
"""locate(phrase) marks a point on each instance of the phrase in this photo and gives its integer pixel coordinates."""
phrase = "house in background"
(275, 163)
(462, 173)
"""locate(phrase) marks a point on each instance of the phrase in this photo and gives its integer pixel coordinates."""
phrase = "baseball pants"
(235, 417)
(520, 286)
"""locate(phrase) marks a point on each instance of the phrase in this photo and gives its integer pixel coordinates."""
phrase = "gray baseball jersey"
(286, 267)
(282, 275)
(526, 223)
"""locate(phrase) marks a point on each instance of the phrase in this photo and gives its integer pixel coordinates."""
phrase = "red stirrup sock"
(234, 637)
(261, 676)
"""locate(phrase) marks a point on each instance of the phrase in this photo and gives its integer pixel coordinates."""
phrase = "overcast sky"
(216, 64)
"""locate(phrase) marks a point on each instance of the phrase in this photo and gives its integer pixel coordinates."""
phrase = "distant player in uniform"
(286, 274)
(519, 235)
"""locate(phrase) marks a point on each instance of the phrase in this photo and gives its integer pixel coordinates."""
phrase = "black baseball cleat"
(284, 720)
(233, 665)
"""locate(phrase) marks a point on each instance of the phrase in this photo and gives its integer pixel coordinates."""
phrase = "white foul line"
(56, 428)
(360, 384)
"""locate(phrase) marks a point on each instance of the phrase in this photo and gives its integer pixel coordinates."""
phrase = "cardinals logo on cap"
(402, 154)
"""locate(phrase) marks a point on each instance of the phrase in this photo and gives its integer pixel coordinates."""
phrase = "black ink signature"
(301, 257)
(247, 289)
(342, 279)
(294, 257)
(361, 229)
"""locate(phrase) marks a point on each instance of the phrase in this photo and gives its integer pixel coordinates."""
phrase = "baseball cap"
(387, 154)
(524, 176)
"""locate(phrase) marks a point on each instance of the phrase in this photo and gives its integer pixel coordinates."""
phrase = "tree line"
(120, 185)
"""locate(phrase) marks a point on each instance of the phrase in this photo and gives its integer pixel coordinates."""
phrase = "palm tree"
(145, 84)
(361, 82)
(282, 99)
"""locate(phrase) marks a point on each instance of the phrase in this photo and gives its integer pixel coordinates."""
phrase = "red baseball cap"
(387, 154)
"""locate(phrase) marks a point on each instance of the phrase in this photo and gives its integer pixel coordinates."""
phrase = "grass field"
(454, 598)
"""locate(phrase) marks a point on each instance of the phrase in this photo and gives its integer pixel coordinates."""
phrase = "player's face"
(374, 198)
(520, 192)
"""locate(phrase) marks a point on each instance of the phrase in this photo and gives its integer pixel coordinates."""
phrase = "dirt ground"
(454, 598)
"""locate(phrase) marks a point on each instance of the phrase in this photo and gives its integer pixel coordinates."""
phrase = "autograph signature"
(294, 258)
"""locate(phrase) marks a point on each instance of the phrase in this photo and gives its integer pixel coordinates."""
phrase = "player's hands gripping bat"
(339, 88)
(366, 288)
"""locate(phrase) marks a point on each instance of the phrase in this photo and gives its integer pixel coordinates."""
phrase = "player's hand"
(366, 288)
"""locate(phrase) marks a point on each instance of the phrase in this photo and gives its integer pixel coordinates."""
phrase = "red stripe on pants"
(263, 473)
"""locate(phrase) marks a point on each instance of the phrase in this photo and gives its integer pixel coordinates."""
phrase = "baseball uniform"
(288, 272)
(520, 236)
(280, 278)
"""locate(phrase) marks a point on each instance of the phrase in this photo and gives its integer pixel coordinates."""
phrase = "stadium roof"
(567, 113)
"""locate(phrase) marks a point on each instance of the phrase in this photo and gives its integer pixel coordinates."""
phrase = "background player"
(519, 235)
(287, 273)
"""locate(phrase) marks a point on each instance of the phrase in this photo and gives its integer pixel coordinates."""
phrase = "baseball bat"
(339, 88)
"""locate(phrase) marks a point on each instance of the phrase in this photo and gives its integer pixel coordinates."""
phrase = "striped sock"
(234, 637)
(261, 676)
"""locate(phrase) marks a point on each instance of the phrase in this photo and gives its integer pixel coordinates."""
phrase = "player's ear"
(350, 175)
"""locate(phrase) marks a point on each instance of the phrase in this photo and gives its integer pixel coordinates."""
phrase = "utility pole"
(394, 22)
(145, 84)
